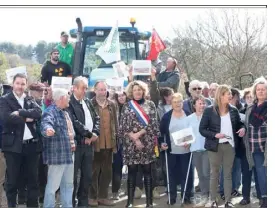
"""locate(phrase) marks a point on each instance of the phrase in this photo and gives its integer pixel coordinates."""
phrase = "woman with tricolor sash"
(139, 129)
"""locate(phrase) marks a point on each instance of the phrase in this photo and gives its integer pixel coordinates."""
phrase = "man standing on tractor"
(66, 49)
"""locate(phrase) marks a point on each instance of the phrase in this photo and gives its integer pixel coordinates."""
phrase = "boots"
(131, 185)
(148, 190)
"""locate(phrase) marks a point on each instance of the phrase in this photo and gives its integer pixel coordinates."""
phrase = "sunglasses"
(228, 137)
(199, 88)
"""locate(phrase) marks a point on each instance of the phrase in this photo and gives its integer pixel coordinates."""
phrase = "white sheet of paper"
(141, 67)
(10, 73)
(115, 84)
(184, 136)
(62, 82)
(120, 69)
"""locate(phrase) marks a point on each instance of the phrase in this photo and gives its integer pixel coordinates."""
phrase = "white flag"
(109, 51)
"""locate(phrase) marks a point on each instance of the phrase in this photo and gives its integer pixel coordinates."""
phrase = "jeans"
(201, 163)
(59, 175)
(236, 176)
(178, 163)
(117, 170)
(261, 171)
(247, 177)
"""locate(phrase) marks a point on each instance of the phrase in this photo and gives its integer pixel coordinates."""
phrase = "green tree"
(41, 50)
(4, 65)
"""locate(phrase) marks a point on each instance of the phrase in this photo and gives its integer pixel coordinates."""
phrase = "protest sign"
(115, 84)
(62, 82)
(141, 67)
(120, 69)
(184, 136)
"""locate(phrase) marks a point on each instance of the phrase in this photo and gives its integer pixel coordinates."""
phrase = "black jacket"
(78, 118)
(210, 125)
(14, 126)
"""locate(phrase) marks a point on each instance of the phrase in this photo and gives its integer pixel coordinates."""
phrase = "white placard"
(115, 84)
(120, 69)
(184, 136)
(10, 73)
(62, 82)
(141, 67)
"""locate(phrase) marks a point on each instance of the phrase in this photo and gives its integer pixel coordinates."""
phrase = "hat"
(64, 33)
(38, 86)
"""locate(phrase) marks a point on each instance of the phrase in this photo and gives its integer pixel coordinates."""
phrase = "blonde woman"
(256, 138)
(221, 126)
(178, 156)
(138, 129)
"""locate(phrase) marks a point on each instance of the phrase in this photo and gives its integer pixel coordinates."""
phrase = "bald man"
(105, 146)
(171, 76)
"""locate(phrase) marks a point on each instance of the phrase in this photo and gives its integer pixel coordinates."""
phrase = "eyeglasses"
(199, 88)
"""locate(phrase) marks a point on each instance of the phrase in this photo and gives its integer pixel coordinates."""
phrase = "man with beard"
(65, 49)
(54, 67)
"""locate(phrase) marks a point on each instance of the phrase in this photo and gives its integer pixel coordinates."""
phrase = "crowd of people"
(59, 142)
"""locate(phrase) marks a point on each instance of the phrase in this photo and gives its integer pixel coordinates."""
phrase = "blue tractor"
(133, 45)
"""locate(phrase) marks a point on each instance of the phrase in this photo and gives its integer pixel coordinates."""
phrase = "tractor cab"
(133, 44)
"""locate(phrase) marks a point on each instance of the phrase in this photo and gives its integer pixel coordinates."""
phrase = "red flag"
(157, 45)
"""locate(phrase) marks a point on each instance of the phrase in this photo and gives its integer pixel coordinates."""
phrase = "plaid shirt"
(57, 149)
(257, 138)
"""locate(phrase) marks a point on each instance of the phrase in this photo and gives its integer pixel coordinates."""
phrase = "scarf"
(258, 115)
(141, 101)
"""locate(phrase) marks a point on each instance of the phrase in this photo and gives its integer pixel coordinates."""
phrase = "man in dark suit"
(86, 125)
(20, 143)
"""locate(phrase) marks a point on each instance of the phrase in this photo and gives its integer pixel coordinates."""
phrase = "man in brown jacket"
(105, 146)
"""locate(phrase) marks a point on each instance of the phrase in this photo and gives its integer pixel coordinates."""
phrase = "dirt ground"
(159, 203)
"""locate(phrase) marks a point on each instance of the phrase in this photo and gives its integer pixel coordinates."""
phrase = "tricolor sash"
(140, 113)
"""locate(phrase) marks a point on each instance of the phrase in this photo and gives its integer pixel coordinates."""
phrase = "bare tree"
(222, 47)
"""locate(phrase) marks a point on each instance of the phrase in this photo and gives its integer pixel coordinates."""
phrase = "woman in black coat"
(221, 126)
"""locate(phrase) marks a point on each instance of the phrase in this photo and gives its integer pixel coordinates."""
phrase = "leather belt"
(225, 143)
